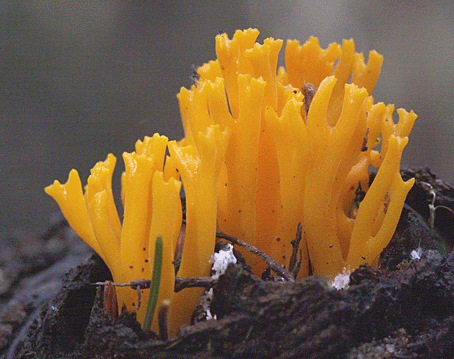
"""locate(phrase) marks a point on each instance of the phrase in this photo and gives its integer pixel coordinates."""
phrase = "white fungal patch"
(221, 261)
(416, 253)
(341, 280)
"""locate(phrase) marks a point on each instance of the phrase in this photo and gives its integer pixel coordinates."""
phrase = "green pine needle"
(155, 283)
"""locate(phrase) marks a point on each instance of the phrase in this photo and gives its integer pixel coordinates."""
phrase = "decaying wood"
(403, 309)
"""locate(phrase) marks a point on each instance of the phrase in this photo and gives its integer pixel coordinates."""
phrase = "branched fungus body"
(257, 159)
(284, 166)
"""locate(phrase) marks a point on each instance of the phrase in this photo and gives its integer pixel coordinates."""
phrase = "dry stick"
(432, 208)
(295, 265)
(191, 282)
(139, 298)
(180, 283)
(142, 283)
(275, 266)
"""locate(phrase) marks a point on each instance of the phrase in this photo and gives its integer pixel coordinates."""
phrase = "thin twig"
(139, 297)
(432, 207)
(179, 247)
(142, 283)
(295, 265)
(201, 282)
(275, 266)
(180, 283)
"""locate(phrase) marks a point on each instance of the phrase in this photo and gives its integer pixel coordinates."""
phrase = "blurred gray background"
(80, 79)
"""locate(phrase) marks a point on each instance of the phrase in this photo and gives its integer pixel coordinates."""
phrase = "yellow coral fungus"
(258, 158)
(301, 168)
(152, 206)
